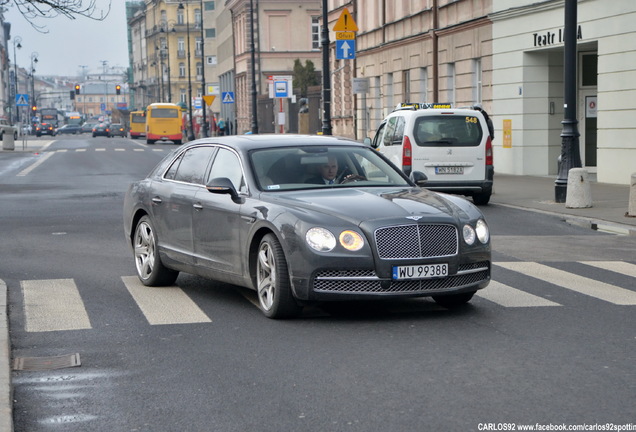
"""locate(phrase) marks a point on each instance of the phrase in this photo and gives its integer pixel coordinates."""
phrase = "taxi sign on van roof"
(423, 105)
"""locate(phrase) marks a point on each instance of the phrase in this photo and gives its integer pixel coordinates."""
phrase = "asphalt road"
(549, 342)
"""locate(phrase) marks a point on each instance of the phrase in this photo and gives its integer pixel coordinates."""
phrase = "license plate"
(426, 271)
(449, 170)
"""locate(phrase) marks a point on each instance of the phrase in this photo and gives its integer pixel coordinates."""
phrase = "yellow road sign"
(349, 35)
(345, 22)
(208, 100)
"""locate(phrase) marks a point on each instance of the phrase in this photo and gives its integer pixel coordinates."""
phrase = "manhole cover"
(46, 363)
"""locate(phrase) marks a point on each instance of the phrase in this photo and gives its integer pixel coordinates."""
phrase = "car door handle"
(156, 200)
(197, 206)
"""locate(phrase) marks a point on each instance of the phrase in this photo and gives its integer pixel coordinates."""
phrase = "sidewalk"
(610, 204)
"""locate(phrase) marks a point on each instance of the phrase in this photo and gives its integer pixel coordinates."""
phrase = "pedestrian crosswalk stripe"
(574, 282)
(615, 266)
(165, 305)
(52, 305)
(100, 149)
(39, 162)
(508, 296)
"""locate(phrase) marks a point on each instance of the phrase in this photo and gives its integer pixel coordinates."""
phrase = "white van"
(452, 147)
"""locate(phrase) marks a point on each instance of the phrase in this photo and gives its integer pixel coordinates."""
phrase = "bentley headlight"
(320, 239)
(351, 240)
(469, 234)
(483, 233)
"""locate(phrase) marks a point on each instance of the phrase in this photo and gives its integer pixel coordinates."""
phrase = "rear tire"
(150, 269)
(481, 198)
(273, 285)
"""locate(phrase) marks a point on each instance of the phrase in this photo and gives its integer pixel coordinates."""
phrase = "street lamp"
(187, 22)
(160, 69)
(326, 78)
(253, 70)
(34, 59)
(167, 32)
(16, 44)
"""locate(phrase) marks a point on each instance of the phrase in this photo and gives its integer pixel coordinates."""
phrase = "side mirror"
(418, 177)
(223, 185)
(367, 141)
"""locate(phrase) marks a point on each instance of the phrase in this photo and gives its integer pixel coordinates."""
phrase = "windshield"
(294, 168)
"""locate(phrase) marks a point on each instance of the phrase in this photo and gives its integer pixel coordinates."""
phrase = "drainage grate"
(46, 363)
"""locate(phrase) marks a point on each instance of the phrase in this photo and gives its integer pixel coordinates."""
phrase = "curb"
(6, 389)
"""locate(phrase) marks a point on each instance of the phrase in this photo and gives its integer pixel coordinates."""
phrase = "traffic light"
(72, 95)
(77, 89)
(34, 108)
(118, 89)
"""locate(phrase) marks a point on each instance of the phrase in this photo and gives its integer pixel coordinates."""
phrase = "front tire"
(150, 269)
(273, 285)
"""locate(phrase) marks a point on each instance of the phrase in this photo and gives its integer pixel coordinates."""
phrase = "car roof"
(248, 142)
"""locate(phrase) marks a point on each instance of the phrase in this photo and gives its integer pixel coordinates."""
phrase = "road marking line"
(139, 150)
(574, 282)
(164, 305)
(52, 305)
(80, 150)
(508, 296)
(100, 149)
(120, 149)
(33, 166)
(622, 267)
(62, 150)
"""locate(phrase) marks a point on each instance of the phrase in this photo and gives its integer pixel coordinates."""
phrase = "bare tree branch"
(34, 10)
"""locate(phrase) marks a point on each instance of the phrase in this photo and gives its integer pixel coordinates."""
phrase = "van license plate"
(449, 170)
(426, 271)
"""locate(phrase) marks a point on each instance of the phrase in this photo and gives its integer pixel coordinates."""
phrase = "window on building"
(423, 85)
(210, 33)
(198, 46)
(315, 33)
(197, 18)
(199, 68)
(183, 97)
(208, 5)
(164, 19)
(406, 85)
(477, 94)
(180, 17)
(589, 70)
(450, 83)
(182, 70)
(389, 91)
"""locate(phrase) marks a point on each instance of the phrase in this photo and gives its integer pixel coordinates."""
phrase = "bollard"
(8, 141)
(578, 194)
(632, 197)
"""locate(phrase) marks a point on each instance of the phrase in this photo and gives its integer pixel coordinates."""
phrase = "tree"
(33, 10)
(304, 76)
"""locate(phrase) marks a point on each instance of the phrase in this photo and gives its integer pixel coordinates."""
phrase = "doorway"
(587, 108)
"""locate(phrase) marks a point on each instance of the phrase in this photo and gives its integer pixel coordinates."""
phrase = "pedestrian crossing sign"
(228, 97)
(22, 100)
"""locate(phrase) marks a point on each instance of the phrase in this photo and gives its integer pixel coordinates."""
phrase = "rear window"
(446, 130)
(164, 113)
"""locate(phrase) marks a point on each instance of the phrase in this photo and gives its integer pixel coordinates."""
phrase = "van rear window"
(446, 130)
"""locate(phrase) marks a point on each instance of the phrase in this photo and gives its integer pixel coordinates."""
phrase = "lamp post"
(167, 32)
(34, 59)
(570, 154)
(253, 61)
(16, 43)
(326, 76)
(204, 130)
(159, 49)
(187, 22)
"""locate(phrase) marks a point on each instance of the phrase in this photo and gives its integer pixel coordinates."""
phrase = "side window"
(389, 131)
(226, 164)
(399, 131)
(193, 165)
(172, 171)
(377, 139)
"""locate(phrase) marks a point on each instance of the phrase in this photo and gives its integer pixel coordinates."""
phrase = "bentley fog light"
(483, 233)
(320, 239)
(351, 240)
(469, 234)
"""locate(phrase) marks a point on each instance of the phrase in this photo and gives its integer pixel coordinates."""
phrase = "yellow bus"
(164, 121)
(137, 124)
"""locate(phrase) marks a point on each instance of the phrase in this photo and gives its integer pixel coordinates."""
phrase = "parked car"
(117, 129)
(102, 129)
(7, 128)
(44, 129)
(243, 210)
(88, 127)
(69, 129)
(452, 147)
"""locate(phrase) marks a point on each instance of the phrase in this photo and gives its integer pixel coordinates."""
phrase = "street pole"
(191, 134)
(253, 60)
(34, 58)
(570, 153)
(204, 126)
(16, 41)
(326, 76)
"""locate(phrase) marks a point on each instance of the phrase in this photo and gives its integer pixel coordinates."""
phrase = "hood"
(373, 204)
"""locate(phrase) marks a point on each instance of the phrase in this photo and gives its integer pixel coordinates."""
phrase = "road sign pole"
(326, 75)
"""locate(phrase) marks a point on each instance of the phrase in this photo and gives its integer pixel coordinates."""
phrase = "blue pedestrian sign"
(22, 100)
(227, 97)
(345, 49)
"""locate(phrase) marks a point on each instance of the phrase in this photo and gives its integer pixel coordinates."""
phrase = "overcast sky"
(71, 42)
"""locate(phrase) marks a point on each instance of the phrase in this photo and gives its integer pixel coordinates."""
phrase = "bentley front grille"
(416, 241)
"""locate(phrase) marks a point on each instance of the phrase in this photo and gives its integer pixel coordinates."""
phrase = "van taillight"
(489, 158)
(407, 159)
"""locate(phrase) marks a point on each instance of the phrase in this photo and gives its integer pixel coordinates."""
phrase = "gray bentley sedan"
(301, 220)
